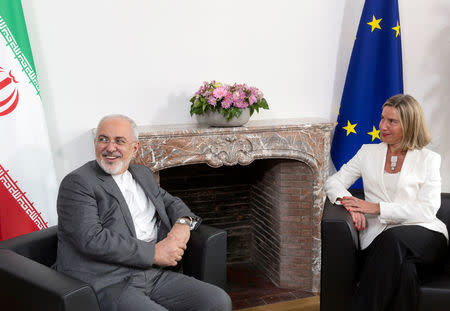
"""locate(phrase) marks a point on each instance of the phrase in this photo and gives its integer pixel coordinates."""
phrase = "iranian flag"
(27, 176)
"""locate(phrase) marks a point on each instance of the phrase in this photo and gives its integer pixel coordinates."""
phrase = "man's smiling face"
(115, 145)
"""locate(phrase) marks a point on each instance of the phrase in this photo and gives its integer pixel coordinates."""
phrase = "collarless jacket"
(417, 196)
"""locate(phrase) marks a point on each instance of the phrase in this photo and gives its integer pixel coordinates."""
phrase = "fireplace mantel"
(305, 140)
(166, 146)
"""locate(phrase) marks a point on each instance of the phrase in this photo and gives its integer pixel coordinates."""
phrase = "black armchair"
(340, 246)
(28, 283)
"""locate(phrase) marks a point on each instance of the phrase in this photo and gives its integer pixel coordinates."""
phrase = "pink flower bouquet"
(228, 100)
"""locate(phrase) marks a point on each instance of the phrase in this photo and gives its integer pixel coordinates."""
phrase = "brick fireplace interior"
(264, 185)
(266, 208)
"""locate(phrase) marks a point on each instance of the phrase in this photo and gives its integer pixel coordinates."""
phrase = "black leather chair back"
(41, 246)
(444, 215)
(444, 212)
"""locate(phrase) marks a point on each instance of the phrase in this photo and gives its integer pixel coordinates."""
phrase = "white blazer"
(417, 197)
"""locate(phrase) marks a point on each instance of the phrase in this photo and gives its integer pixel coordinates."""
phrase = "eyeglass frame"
(104, 140)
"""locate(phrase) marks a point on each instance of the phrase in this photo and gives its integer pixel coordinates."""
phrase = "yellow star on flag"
(375, 133)
(350, 128)
(375, 23)
(397, 30)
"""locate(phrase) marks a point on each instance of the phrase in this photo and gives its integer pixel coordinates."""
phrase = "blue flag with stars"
(374, 74)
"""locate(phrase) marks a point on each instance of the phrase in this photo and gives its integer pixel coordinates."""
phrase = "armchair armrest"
(340, 245)
(39, 245)
(29, 285)
(206, 255)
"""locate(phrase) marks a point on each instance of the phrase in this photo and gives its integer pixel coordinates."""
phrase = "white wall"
(426, 69)
(145, 58)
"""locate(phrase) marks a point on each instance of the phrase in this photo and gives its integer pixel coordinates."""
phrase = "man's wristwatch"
(183, 221)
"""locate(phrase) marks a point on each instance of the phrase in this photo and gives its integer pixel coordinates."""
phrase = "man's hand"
(180, 232)
(169, 251)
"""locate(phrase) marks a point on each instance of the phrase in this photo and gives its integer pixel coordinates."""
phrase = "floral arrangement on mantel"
(228, 100)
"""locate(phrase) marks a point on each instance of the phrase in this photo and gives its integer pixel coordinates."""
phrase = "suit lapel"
(148, 185)
(111, 187)
(408, 165)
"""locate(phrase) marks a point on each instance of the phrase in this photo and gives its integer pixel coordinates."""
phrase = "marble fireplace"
(262, 182)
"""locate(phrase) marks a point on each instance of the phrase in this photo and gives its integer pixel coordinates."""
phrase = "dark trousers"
(389, 278)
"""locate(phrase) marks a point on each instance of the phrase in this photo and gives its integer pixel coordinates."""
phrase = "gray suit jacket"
(96, 236)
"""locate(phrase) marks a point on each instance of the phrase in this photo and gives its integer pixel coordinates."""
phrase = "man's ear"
(136, 148)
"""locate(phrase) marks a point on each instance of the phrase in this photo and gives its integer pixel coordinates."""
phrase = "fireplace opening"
(266, 209)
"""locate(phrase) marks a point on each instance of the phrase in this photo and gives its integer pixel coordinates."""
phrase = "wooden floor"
(303, 304)
(248, 288)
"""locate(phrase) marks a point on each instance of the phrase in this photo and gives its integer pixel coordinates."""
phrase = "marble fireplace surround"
(305, 140)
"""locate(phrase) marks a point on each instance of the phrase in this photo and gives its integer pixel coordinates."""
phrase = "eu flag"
(374, 74)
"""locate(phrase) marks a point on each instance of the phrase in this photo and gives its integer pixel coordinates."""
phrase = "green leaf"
(264, 104)
(252, 109)
(198, 106)
(229, 114)
(237, 112)
(195, 110)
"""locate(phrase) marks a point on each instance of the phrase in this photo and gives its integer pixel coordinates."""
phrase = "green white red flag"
(27, 176)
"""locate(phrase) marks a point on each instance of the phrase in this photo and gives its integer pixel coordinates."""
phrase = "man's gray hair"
(123, 117)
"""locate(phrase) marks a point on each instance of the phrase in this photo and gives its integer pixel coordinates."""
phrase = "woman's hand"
(359, 220)
(353, 204)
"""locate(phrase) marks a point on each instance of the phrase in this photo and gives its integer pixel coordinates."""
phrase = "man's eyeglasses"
(119, 141)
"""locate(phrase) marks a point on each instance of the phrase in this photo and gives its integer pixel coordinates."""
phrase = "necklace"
(393, 162)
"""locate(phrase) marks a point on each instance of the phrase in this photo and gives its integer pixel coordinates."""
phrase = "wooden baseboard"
(303, 304)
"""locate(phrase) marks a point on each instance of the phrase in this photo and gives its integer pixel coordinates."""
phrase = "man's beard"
(115, 168)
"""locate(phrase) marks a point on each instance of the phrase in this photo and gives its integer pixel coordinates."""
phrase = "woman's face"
(390, 126)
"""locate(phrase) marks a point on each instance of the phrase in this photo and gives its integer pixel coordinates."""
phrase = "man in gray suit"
(118, 231)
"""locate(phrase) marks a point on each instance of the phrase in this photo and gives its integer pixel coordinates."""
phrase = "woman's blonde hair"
(415, 131)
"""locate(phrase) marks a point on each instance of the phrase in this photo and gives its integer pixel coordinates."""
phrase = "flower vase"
(215, 118)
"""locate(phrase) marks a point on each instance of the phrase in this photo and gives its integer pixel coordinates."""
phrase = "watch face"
(182, 221)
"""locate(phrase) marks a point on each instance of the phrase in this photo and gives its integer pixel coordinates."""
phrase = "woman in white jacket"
(397, 220)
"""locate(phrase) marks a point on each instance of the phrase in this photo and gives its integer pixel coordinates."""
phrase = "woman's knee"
(389, 239)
